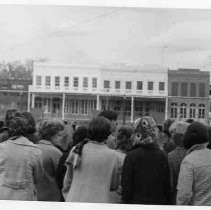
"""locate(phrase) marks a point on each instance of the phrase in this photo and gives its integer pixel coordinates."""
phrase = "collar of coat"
(21, 141)
(196, 147)
(147, 146)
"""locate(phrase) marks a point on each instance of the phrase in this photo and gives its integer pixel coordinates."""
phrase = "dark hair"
(49, 128)
(166, 125)
(209, 137)
(10, 114)
(110, 115)
(124, 141)
(197, 133)
(17, 127)
(31, 125)
(99, 129)
(189, 120)
(80, 134)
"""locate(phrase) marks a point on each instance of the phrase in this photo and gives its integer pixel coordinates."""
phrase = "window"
(117, 84)
(150, 85)
(85, 82)
(106, 84)
(127, 108)
(48, 81)
(161, 86)
(184, 89)
(75, 107)
(75, 82)
(128, 85)
(139, 85)
(192, 111)
(84, 107)
(201, 90)
(192, 89)
(39, 80)
(139, 108)
(183, 110)
(93, 105)
(94, 82)
(57, 81)
(174, 89)
(66, 81)
(201, 111)
(38, 102)
(67, 106)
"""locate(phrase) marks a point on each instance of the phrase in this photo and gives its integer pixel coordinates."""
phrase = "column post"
(132, 109)
(29, 101)
(166, 108)
(63, 105)
(33, 101)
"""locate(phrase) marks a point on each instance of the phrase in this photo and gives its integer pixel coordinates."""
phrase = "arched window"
(201, 111)
(192, 113)
(183, 110)
(173, 110)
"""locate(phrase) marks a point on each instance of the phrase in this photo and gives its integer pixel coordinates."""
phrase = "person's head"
(145, 128)
(197, 133)
(166, 125)
(111, 116)
(31, 124)
(11, 113)
(53, 131)
(124, 141)
(99, 129)
(17, 127)
(177, 131)
(189, 120)
(80, 134)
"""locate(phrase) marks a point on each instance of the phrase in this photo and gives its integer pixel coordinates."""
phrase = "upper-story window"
(201, 90)
(117, 84)
(66, 81)
(39, 80)
(128, 85)
(184, 89)
(94, 82)
(106, 84)
(75, 82)
(139, 85)
(57, 81)
(192, 89)
(150, 85)
(161, 86)
(47, 81)
(201, 113)
(85, 82)
(174, 91)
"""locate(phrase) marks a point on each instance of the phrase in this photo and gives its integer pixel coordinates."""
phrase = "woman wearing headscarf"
(20, 164)
(194, 184)
(145, 176)
(92, 168)
(52, 133)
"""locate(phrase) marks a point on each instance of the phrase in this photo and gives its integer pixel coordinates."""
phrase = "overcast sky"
(104, 35)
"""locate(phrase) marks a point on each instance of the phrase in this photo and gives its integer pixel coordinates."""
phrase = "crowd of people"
(102, 162)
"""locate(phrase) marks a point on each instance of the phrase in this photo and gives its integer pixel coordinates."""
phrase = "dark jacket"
(145, 176)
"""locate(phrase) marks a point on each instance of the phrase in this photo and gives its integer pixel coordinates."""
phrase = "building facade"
(188, 94)
(79, 92)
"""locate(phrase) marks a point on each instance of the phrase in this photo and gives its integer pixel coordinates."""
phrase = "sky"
(175, 38)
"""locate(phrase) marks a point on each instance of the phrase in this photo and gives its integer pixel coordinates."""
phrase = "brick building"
(188, 94)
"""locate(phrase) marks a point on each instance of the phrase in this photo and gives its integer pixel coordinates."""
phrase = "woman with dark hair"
(92, 168)
(52, 133)
(21, 164)
(31, 127)
(194, 184)
(124, 145)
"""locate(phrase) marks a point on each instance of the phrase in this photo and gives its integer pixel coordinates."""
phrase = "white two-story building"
(76, 92)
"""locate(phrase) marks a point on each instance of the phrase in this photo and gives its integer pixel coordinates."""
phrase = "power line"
(61, 30)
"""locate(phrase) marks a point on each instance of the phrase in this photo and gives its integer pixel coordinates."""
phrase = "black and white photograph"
(105, 105)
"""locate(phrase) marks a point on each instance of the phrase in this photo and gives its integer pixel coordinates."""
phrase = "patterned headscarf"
(144, 130)
(31, 125)
(11, 113)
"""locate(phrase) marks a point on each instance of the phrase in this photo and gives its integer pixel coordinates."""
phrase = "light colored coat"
(47, 188)
(96, 176)
(194, 184)
(20, 168)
